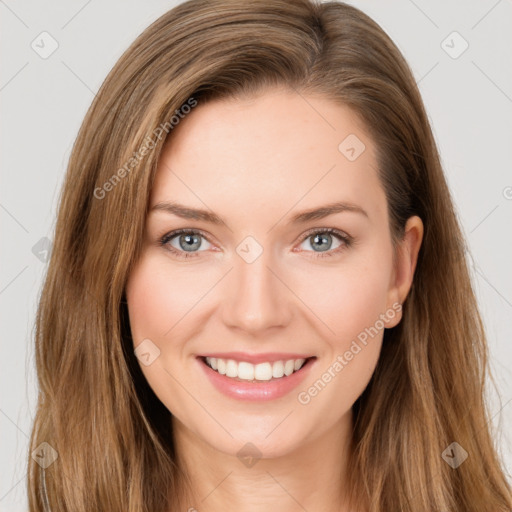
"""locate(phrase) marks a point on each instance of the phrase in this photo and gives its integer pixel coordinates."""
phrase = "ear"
(406, 258)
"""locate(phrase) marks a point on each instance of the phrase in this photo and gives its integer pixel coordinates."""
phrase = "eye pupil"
(324, 239)
(190, 241)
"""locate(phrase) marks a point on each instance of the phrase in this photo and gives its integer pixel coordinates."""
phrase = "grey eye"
(321, 242)
(187, 242)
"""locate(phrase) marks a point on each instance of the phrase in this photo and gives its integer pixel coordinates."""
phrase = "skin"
(256, 162)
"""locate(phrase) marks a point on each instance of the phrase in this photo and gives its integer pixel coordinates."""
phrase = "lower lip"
(256, 391)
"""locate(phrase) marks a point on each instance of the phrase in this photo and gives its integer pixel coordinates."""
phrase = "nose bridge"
(257, 300)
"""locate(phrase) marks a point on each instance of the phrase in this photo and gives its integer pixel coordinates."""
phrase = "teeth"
(278, 369)
(288, 367)
(247, 371)
(263, 371)
(221, 366)
(231, 368)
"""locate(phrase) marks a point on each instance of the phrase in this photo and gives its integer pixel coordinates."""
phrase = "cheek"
(350, 355)
(346, 300)
(350, 303)
(340, 302)
(157, 300)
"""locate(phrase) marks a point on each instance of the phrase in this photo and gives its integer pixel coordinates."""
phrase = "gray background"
(468, 98)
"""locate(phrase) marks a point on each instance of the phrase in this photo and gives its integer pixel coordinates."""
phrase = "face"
(256, 279)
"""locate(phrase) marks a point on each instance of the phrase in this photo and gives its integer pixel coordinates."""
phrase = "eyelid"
(344, 237)
(333, 231)
(163, 240)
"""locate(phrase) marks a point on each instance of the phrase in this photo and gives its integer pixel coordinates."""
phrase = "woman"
(258, 293)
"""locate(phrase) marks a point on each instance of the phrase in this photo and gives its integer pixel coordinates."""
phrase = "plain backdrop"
(459, 51)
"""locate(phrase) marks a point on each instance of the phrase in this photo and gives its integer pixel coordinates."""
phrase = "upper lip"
(256, 358)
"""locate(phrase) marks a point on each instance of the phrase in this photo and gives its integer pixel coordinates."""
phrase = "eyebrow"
(186, 212)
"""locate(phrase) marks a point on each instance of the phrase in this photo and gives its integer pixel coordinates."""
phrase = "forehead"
(269, 151)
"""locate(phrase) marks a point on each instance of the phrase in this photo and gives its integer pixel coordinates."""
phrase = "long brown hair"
(112, 435)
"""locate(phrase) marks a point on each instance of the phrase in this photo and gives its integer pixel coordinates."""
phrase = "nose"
(256, 297)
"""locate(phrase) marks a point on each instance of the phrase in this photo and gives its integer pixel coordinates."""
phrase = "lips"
(257, 381)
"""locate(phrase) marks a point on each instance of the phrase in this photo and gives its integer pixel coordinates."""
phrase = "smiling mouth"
(243, 371)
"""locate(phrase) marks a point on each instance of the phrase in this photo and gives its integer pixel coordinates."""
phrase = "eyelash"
(346, 239)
